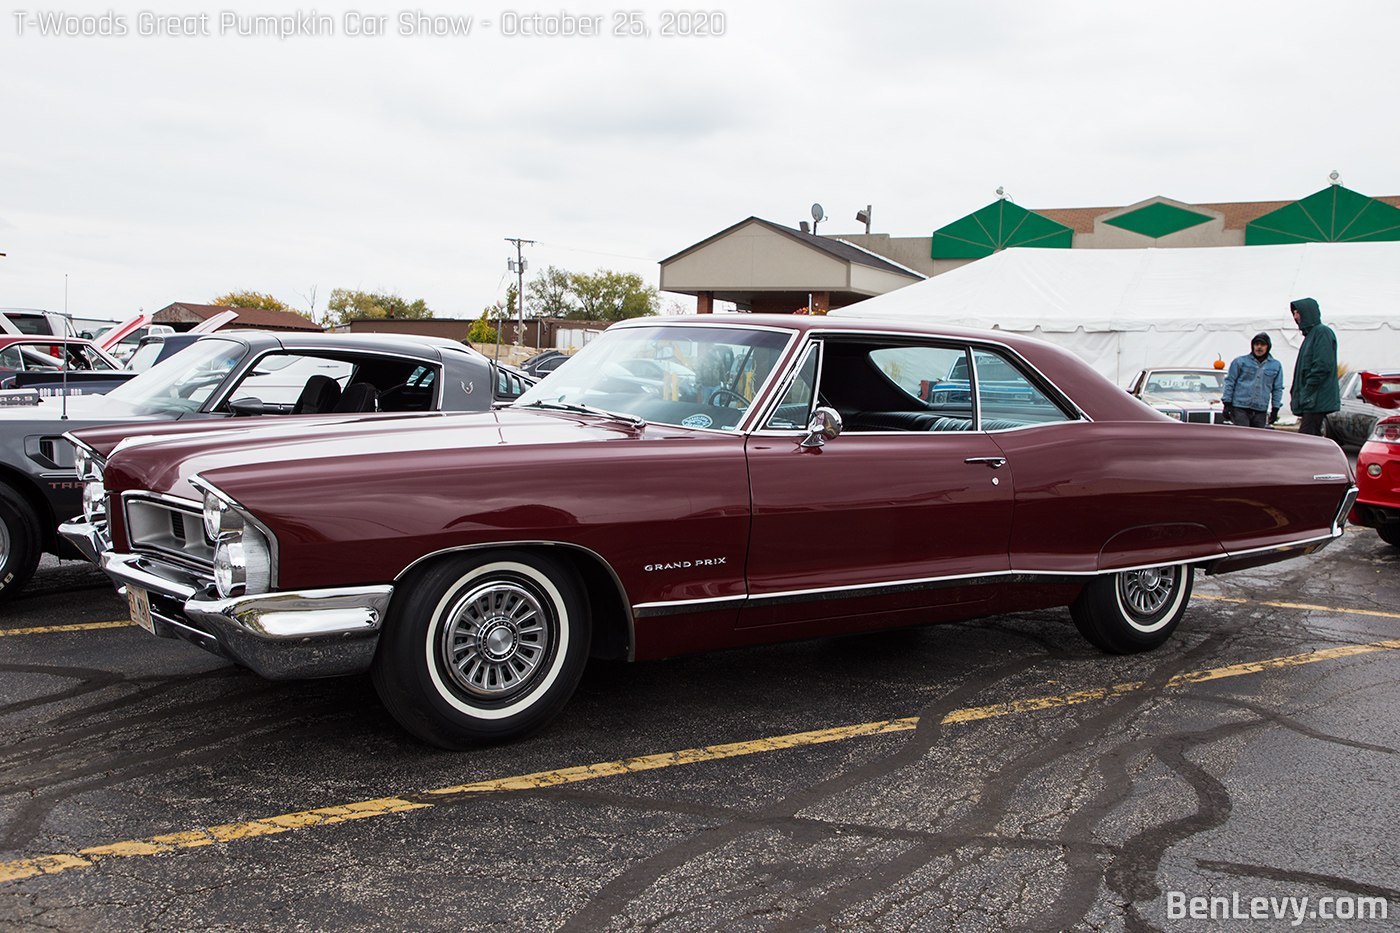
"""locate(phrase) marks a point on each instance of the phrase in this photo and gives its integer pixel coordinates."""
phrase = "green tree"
(348, 305)
(611, 296)
(482, 331)
(549, 294)
(250, 299)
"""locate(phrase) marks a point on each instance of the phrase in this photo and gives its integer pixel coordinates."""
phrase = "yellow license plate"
(139, 605)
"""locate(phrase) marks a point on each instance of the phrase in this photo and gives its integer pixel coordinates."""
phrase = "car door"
(898, 513)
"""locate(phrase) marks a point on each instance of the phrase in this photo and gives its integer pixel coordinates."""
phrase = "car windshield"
(183, 382)
(693, 376)
(1185, 384)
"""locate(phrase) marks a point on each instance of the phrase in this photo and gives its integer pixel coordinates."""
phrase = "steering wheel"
(732, 396)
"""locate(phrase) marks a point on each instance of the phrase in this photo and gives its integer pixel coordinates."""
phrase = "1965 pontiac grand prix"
(685, 484)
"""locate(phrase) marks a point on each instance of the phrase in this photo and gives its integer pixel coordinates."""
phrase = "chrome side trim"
(680, 606)
(816, 594)
(1329, 477)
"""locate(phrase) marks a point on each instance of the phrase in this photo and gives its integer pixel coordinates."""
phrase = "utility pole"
(517, 265)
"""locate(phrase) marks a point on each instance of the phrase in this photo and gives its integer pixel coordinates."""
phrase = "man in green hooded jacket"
(1314, 391)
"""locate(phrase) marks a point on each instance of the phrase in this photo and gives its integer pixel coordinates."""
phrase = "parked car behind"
(40, 362)
(1352, 425)
(797, 486)
(1189, 394)
(221, 376)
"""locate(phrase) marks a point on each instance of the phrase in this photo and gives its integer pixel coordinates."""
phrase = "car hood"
(286, 452)
(51, 415)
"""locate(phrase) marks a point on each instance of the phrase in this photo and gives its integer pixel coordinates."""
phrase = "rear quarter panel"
(1107, 495)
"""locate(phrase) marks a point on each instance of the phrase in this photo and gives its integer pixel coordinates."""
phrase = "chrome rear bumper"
(282, 636)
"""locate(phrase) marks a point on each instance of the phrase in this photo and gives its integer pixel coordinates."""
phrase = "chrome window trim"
(223, 394)
(781, 390)
(1061, 400)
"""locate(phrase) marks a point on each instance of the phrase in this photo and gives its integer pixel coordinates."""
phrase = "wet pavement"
(992, 775)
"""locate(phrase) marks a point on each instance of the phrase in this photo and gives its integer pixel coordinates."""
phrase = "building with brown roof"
(182, 316)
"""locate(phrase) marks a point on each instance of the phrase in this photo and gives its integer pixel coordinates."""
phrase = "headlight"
(94, 502)
(242, 565)
(86, 465)
(220, 518)
(242, 548)
(1178, 415)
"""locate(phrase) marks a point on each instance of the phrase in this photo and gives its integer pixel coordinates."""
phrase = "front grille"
(161, 526)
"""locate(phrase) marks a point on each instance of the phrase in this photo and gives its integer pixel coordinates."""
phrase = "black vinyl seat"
(358, 396)
(318, 396)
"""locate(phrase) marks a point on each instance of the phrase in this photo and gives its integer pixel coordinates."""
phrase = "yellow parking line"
(79, 627)
(1307, 606)
(169, 842)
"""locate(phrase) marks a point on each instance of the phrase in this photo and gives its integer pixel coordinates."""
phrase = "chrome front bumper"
(282, 636)
(90, 540)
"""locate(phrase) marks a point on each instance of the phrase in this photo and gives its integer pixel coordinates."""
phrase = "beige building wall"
(754, 258)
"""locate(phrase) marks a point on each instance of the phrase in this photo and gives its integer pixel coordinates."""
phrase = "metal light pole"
(517, 265)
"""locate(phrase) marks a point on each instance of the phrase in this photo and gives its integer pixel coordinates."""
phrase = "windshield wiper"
(557, 405)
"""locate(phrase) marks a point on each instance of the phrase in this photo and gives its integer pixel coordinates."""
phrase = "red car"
(773, 478)
(1378, 463)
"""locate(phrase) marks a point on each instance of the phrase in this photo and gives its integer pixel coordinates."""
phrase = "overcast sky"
(174, 168)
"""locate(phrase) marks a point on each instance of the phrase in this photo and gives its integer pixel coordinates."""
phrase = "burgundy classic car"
(769, 478)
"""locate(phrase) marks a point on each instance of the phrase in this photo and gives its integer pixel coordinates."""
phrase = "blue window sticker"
(697, 421)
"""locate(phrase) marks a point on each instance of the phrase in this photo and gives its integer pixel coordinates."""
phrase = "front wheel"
(20, 542)
(485, 648)
(1133, 610)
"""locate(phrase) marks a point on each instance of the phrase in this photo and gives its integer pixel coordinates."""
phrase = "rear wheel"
(1390, 534)
(19, 542)
(1134, 610)
(485, 648)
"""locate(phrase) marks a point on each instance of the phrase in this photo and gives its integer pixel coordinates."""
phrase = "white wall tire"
(1133, 610)
(483, 648)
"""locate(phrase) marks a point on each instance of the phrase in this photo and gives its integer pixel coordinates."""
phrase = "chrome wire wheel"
(1145, 593)
(495, 639)
(484, 646)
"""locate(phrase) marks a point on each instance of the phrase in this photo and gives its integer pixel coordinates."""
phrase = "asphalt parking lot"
(994, 775)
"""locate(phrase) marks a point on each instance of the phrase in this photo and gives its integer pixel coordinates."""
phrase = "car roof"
(423, 347)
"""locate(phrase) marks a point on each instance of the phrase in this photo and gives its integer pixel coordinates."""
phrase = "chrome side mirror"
(823, 426)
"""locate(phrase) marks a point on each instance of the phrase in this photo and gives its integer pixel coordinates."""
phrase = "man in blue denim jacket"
(1254, 386)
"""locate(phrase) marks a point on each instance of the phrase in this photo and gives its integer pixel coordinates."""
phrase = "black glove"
(1273, 416)
(1229, 412)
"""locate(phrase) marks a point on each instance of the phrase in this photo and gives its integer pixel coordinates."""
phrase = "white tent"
(1122, 310)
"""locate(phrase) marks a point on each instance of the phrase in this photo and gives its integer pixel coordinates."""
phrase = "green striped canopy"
(1332, 215)
(995, 227)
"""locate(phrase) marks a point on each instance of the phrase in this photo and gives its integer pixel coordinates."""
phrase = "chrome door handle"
(996, 463)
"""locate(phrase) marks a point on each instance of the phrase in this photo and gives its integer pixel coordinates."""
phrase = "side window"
(1007, 399)
(935, 375)
(796, 406)
(278, 378)
(10, 358)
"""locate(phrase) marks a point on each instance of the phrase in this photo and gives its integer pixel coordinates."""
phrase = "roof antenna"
(63, 348)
